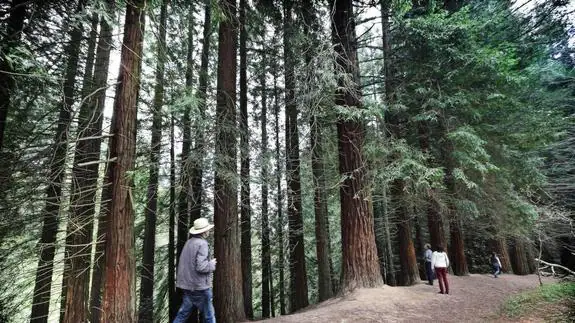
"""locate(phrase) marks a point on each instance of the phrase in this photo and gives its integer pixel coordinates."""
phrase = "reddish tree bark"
(360, 267)
(228, 295)
(120, 288)
(519, 257)
(409, 272)
(499, 245)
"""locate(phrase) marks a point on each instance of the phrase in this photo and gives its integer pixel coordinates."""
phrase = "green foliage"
(536, 300)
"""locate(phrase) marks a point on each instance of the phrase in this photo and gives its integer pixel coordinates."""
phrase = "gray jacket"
(195, 268)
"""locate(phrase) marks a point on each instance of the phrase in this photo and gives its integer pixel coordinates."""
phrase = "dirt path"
(475, 298)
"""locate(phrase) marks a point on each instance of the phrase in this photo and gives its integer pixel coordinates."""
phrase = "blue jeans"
(496, 270)
(200, 299)
(429, 272)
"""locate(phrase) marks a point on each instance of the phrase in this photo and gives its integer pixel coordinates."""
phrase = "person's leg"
(208, 308)
(186, 308)
(445, 281)
(429, 272)
(438, 273)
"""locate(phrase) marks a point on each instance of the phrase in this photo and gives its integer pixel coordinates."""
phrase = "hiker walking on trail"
(194, 275)
(440, 263)
(496, 263)
(428, 269)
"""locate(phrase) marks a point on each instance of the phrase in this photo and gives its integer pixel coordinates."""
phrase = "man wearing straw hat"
(195, 274)
(428, 270)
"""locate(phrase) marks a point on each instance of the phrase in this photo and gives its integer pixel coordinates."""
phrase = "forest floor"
(473, 298)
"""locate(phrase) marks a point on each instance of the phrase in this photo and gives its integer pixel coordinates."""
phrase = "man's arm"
(203, 264)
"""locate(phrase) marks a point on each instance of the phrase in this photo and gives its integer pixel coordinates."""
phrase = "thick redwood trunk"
(360, 267)
(228, 295)
(499, 245)
(14, 26)
(120, 286)
(519, 257)
(298, 273)
(408, 261)
(84, 191)
(146, 309)
(245, 207)
(43, 282)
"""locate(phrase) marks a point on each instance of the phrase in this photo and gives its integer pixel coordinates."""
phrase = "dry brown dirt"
(473, 298)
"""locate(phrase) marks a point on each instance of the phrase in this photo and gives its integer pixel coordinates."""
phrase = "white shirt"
(439, 259)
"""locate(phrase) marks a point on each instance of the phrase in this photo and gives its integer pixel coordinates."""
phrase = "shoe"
(439, 292)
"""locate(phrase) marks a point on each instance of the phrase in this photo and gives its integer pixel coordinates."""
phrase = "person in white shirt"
(496, 263)
(428, 269)
(440, 263)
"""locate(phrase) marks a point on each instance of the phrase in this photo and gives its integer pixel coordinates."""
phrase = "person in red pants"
(440, 263)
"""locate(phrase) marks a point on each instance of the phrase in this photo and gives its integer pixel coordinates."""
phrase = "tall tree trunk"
(457, 249)
(146, 309)
(320, 196)
(388, 91)
(407, 259)
(199, 149)
(78, 251)
(279, 199)
(519, 257)
(245, 208)
(14, 26)
(499, 245)
(228, 295)
(120, 288)
(97, 104)
(419, 245)
(360, 267)
(184, 197)
(298, 274)
(434, 217)
(172, 299)
(267, 296)
(47, 244)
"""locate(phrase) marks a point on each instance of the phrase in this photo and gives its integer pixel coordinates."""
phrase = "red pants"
(441, 274)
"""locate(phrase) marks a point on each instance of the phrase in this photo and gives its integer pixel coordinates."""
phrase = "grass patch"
(555, 302)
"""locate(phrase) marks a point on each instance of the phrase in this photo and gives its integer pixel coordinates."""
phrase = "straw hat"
(201, 225)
